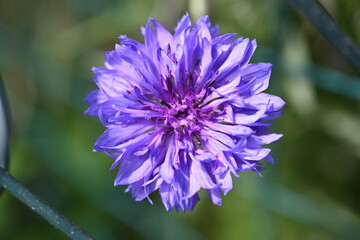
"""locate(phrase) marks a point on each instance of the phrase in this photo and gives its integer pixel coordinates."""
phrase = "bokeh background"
(47, 49)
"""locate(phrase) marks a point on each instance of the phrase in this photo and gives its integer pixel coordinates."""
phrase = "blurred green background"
(47, 49)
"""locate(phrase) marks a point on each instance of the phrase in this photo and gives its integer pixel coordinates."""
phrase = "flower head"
(183, 111)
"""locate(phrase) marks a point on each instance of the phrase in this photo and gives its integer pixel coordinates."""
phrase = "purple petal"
(133, 170)
(226, 182)
(199, 177)
(273, 103)
(167, 196)
(183, 24)
(264, 139)
(110, 82)
(242, 118)
(221, 137)
(240, 54)
(235, 130)
(215, 196)
(163, 36)
(95, 98)
(255, 154)
(255, 78)
(116, 135)
(171, 157)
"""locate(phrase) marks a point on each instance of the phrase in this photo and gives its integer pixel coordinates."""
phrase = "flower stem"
(4, 127)
(325, 24)
(39, 206)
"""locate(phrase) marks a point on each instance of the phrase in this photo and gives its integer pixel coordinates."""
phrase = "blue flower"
(183, 111)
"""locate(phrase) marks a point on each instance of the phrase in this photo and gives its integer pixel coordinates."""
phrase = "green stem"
(39, 206)
(4, 127)
(325, 24)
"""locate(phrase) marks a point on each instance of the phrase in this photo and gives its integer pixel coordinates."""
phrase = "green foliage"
(47, 49)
